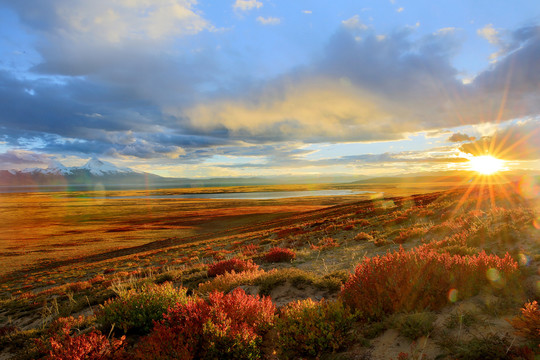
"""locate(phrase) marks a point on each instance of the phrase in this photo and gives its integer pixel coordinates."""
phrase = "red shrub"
(250, 249)
(238, 265)
(325, 243)
(64, 345)
(418, 279)
(409, 233)
(278, 254)
(226, 327)
(528, 323)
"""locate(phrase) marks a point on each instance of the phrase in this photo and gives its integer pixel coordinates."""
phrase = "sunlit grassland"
(40, 227)
(147, 241)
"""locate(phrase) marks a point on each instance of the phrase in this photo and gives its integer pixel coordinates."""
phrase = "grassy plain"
(66, 253)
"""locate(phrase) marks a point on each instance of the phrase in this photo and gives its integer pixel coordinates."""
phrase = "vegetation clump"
(226, 326)
(234, 264)
(136, 310)
(527, 324)
(278, 254)
(405, 281)
(66, 342)
(308, 328)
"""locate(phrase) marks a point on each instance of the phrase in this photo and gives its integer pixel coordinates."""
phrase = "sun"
(486, 165)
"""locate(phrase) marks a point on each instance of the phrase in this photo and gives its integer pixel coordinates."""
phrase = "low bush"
(229, 281)
(407, 281)
(527, 324)
(362, 236)
(325, 243)
(486, 346)
(299, 279)
(66, 343)
(308, 328)
(226, 327)
(234, 264)
(278, 254)
(136, 310)
(409, 233)
(415, 325)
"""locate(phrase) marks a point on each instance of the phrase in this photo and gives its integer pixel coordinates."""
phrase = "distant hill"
(93, 171)
(96, 171)
(446, 176)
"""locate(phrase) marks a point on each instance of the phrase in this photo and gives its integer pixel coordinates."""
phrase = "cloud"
(269, 20)
(18, 159)
(354, 23)
(517, 142)
(285, 158)
(459, 137)
(147, 150)
(489, 33)
(246, 5)
(400, 9)
(113, 22)
(377, 89)
(164, 89)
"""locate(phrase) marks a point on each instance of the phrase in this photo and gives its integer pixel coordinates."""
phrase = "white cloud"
(246, 5)
(307, 11)
(400, 10)
(446, 31)
(489, 33)
(269, 20)
(354, 23)
(119, 21)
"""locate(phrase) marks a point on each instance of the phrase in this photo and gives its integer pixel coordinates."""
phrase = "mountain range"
(97, 171)
(93, 171)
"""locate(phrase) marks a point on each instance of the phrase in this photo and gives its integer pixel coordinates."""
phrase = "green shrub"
(136, 310)
(308, 328)
(487, 346)
(298, 278)
(415, 325)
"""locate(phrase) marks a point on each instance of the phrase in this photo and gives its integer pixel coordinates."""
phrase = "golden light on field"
(486, 165)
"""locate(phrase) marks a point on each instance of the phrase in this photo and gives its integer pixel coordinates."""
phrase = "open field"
(66, 255)
(38, 228)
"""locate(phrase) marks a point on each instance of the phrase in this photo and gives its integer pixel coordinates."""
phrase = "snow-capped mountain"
(94, 166)
(99, 168)
(93, 171)
(54, 168)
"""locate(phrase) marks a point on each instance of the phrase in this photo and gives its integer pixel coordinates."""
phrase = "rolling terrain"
(92, 250)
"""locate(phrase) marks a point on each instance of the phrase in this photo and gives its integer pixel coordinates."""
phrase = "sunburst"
(486, 165)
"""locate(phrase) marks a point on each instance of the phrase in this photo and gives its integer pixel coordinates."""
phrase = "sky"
(187, 88)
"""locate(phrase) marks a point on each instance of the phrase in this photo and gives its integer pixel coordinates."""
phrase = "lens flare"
(453, 295)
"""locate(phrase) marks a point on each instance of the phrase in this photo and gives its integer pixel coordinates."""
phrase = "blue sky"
(254, 87)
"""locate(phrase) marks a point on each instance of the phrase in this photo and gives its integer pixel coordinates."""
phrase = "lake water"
(263, 195)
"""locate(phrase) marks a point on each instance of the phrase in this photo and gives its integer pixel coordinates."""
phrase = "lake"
(262, 195)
